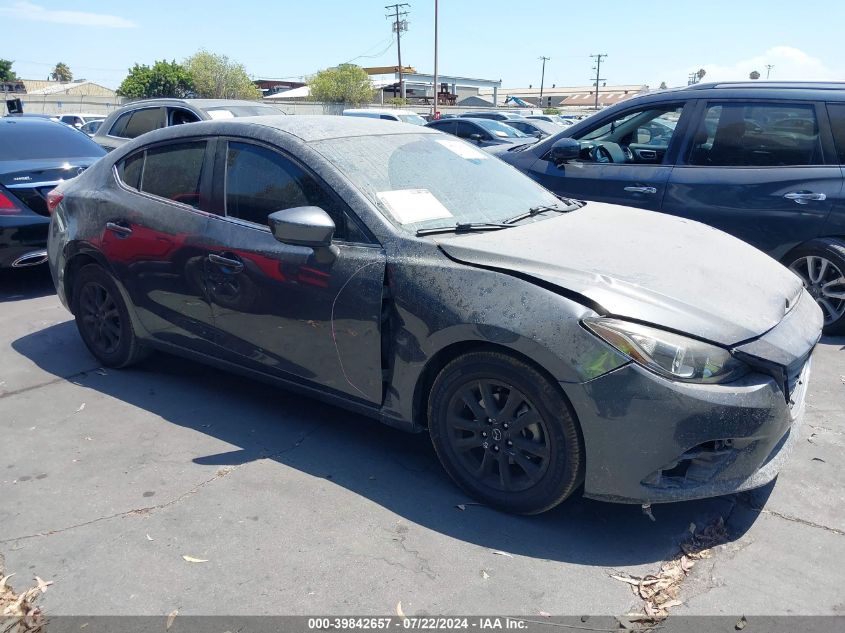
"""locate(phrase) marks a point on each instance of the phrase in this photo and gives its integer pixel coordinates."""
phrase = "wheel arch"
(450, 352)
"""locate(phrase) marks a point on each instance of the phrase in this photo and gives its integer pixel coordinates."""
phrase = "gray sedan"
(406, 275)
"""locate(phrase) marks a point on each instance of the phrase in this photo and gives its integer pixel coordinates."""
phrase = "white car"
(78, 119)
(405, 116)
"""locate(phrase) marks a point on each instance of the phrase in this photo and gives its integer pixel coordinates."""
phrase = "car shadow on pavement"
(394, 469)
(25, 283)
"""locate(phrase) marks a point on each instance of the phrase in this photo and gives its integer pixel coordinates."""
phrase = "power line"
(399, 25)
(598, 57)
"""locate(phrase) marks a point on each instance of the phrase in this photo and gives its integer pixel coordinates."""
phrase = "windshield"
(424, 180)
(228, 112)
(416, 119)
(25, 142)
(499, 129)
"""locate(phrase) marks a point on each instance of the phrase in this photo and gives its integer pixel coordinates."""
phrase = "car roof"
(29, 121)
(306, 127)
(822, 90)
(202, 104)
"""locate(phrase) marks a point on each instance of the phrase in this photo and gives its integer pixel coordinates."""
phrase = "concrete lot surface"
(109, 478)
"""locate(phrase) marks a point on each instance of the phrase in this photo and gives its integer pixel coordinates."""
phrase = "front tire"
(821, 265)
(505, 433)
(102, 319)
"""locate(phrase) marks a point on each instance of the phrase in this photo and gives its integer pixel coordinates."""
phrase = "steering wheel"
(600, 154)
(629, 155)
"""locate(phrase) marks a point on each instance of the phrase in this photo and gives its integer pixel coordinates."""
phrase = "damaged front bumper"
(653, 440)
(657, 441)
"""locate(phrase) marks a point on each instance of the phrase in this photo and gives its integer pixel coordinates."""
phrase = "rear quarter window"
(836, 111)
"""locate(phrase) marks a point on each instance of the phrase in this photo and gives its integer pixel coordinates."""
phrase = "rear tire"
(505, 433)
(103, 320)
(821, 265)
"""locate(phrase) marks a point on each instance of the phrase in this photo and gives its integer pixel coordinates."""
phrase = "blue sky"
(647, 41)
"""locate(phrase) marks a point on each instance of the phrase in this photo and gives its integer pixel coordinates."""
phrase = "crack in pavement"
(222, 472)
(56, 380)
(786, 517)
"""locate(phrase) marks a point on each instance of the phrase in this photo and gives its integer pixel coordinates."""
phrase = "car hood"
(673, 273)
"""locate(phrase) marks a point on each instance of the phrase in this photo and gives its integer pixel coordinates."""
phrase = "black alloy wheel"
(103, 320)
(505, 432)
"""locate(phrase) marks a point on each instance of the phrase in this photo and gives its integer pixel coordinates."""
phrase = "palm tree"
(700, 74)
(754, 75)
(61, 73)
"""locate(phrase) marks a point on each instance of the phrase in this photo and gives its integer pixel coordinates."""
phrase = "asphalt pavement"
(110, 478)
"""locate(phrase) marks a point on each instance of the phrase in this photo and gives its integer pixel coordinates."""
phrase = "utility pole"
(769, 69)
(542, 78)
(598, 57)
(436, 87)
(399, 25)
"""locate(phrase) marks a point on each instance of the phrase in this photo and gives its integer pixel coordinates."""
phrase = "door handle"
(802, 197)
(114, 227)
(641, 189)
(235, 265)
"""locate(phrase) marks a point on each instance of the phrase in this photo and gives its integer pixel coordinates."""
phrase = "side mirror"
(302, 226)
(476, 137)
(565, 149)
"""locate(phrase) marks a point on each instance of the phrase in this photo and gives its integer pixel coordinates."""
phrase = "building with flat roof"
(566, 97)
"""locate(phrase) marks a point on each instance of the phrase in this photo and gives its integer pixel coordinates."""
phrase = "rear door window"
(173, 172)
(133, 124)
(757, 135)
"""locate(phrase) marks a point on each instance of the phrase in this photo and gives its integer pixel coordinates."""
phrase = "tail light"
(54, 197)
(7, 205)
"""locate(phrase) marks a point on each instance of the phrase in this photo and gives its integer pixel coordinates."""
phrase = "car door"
(305, 315)
(625, 159)
(756, 170)
(835, 225)
(154, 236)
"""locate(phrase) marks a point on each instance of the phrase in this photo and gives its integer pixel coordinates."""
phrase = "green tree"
(754, 75)
(346, 83)
(663, 85)
(164, 79)
(551, 111)
(700, 74)
(6, 72)
(61, 73)
(218, 77)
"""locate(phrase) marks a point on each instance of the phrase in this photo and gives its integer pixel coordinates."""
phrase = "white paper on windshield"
(413, 205)
(463, 150)
(220, 114)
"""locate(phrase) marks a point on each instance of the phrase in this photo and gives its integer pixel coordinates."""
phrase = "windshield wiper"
(463, 227)
(537, 211)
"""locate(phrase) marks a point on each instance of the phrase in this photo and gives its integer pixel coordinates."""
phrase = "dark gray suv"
(760, 160)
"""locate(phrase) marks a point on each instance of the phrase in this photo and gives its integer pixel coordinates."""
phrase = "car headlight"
(668, 354)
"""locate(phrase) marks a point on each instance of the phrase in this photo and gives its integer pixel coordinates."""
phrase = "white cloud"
(30, 11)
(789, 64)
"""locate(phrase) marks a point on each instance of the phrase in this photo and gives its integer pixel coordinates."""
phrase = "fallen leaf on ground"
(819, 459)
(501, 553)
(170, 617)
(484, 574)
(741, 624)
(192, 559)
(81, 407)
(43, 584)
(399, 611)
(150, 538)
